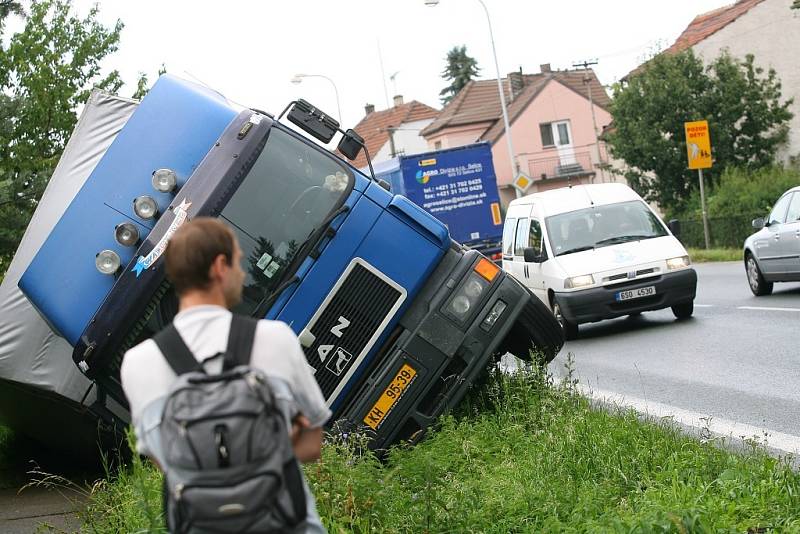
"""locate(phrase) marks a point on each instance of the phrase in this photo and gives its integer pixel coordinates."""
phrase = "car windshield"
(601, 226)
(288, 192)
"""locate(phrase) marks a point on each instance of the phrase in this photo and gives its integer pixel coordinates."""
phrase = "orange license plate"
(404, 377)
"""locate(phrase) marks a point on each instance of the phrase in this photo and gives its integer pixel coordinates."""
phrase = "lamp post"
(298, 78)
(512, 158)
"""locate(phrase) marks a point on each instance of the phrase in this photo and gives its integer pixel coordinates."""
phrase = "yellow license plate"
(404, 377)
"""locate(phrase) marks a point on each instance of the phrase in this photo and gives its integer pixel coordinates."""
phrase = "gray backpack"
(227, 458)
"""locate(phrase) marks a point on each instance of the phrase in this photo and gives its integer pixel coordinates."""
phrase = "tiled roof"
(479, 101)
(710, 23)
(704, 26)
(373, 127)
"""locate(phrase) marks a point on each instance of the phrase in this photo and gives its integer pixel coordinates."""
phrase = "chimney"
(369, 108)
(516, 83)
(545, 68)
(398, 100)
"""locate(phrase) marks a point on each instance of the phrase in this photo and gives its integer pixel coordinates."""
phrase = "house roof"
(479, 101)
(710, 23)
(373, 127)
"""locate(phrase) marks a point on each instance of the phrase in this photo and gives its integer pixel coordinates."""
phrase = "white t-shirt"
(146, 376)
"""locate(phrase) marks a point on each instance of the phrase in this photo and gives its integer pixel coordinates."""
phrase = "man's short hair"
(192, 250)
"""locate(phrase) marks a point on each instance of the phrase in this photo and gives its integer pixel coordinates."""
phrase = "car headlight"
(145, 207)
(126, 234)
(678, 263)
(107, 261)
(579, 281)
(467, 297)
(164, 180)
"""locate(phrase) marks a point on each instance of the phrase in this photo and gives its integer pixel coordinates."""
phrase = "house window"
(547, 134)
(555, 133)
(437, 145)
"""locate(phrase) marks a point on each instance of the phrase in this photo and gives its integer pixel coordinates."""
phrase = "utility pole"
(588, 81)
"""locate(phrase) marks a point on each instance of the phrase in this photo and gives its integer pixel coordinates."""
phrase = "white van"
(594, 252)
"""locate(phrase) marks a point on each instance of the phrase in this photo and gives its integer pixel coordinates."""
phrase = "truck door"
(508, 243)
(535, 272)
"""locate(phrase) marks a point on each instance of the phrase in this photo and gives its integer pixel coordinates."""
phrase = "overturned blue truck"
(395, 318)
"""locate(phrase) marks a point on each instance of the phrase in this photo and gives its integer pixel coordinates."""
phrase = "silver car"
(773, 253)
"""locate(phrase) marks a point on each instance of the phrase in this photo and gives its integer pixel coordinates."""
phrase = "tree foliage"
(747, 119)
(460, 69)
(47, 70)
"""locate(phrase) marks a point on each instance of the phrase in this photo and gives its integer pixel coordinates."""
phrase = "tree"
(747, 121)
(143, 84)
(46, 71)
(460, 69)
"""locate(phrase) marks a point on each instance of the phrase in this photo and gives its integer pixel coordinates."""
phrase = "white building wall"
(407, 140)
(771, 32)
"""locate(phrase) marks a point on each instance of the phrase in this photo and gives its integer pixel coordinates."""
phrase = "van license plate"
(635, 293)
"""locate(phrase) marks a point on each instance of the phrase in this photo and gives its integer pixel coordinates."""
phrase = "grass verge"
(524, 454)
(700, 255)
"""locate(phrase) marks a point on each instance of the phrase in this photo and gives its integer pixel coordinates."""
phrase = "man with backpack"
(224, 404)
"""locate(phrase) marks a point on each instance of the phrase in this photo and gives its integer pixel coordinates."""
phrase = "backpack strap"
(175, 351)
(240, 341)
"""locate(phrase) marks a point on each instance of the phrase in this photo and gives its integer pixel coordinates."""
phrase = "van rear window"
(508, 236)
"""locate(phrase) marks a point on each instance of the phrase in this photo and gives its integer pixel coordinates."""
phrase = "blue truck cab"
(395, 318)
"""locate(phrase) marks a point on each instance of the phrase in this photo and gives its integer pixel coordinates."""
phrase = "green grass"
(522, 455)
(699, 255)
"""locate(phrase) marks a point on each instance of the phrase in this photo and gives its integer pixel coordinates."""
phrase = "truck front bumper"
(429, 368)
(596, 304)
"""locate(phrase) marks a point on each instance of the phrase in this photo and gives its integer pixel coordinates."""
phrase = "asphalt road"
(735, 363)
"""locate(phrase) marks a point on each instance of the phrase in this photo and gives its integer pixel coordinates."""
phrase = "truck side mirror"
(759, 223)
(313, 121)
(531, 255)
(674, 226)
(350, 144)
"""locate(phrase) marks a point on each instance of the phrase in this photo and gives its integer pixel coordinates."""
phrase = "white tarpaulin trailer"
(42, 392)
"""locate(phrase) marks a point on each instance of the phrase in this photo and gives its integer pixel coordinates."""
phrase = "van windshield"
(601, 226)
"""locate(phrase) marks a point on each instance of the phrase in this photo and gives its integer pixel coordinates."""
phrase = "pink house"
(553, 127)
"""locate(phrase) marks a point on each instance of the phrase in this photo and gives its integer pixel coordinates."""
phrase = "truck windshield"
(288, 192)
(601, 226)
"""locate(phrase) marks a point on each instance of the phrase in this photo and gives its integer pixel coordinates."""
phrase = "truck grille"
(347, 324)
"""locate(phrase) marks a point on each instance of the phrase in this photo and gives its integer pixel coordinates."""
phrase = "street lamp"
(298, 78)
(514, 167)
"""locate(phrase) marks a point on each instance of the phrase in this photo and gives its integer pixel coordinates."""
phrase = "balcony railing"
(575, 164)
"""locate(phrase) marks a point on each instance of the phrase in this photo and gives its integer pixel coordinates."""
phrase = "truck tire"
(536, 329)
(683, 310)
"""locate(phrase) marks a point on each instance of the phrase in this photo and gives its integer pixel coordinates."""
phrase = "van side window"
(535, 236)
(522, 237)
(508, 236)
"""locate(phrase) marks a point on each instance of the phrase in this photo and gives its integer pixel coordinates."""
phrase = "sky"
(250, 50)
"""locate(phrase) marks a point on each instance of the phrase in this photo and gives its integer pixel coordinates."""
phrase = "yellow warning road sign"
(698, 144)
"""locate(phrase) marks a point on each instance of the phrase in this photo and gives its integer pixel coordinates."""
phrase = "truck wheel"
(570, 329)
(755, 279)
(535, 330)
(683, 310)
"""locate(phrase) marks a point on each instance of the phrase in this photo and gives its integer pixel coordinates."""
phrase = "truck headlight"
(145, 207)
(126, 234)
(165, 180)
(467, 297)
(107, 261)
(678, 263)
(579, 281)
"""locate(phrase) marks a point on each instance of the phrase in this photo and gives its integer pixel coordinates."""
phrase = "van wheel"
(683, 310)
(755, 279)
(570, 329)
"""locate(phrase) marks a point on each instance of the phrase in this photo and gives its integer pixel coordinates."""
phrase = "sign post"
(698, 149)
